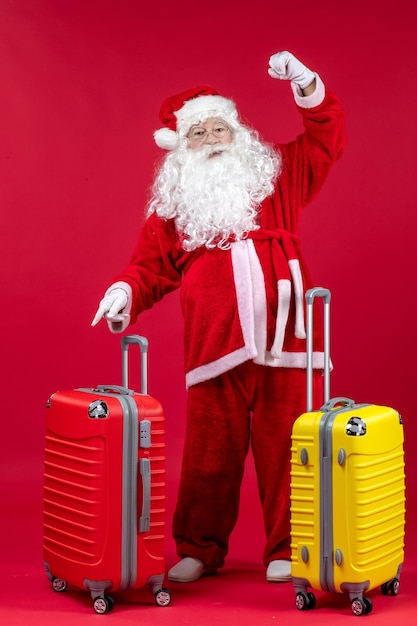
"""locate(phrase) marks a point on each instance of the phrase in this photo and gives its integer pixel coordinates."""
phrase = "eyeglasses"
(200, 134)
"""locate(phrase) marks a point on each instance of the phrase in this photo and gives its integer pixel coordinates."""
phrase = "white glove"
(286, 66)
(111, 306)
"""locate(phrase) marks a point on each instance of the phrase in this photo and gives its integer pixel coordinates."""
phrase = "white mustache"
(208, 151)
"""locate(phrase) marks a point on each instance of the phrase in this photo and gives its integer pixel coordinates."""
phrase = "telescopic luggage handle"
(311, 294)
(142, 342)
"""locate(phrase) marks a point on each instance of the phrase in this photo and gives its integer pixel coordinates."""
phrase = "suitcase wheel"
(162, 597)
(103, 604)
(305, 601)
(391, 588)
(361, 606)
(59, 585)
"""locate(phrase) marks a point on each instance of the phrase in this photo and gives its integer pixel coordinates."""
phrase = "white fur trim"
(210, 106)
(297, 279)
(284, 299)
(244, 292)
(251, 296)
(166, 138)
(316, 98)
(220, 366)
(259, 298)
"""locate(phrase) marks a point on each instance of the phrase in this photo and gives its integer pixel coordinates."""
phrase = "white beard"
(214, 193)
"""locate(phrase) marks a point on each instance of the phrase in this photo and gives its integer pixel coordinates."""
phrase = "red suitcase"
(104, 489)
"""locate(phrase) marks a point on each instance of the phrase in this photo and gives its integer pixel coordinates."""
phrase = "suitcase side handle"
(145, 516)
(311, 295)
(142, 342)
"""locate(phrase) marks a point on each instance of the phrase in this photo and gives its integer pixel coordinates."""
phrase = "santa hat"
(179, 112)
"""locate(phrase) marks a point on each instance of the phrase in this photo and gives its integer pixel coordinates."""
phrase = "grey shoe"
(279, 572)
(186, 571)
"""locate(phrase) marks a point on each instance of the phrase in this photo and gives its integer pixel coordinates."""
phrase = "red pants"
(249, 404)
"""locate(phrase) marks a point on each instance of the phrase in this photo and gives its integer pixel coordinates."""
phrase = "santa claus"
(222, 226)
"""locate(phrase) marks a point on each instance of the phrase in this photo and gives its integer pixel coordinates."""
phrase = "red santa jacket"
(246, 302)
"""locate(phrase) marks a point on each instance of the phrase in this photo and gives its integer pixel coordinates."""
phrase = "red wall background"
(80, 88)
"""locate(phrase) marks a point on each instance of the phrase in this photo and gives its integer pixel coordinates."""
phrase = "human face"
(211, 132)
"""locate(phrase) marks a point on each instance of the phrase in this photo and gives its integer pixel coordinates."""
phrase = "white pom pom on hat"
(166, 138)
(179, 112)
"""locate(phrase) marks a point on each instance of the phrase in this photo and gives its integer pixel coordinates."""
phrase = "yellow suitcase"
(347, 492)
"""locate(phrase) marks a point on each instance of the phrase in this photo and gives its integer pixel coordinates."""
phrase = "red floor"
(237, 595)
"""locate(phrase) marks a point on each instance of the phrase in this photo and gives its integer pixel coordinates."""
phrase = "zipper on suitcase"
(326, 502)
(130, 461)
(328, 549)
(130, 473)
